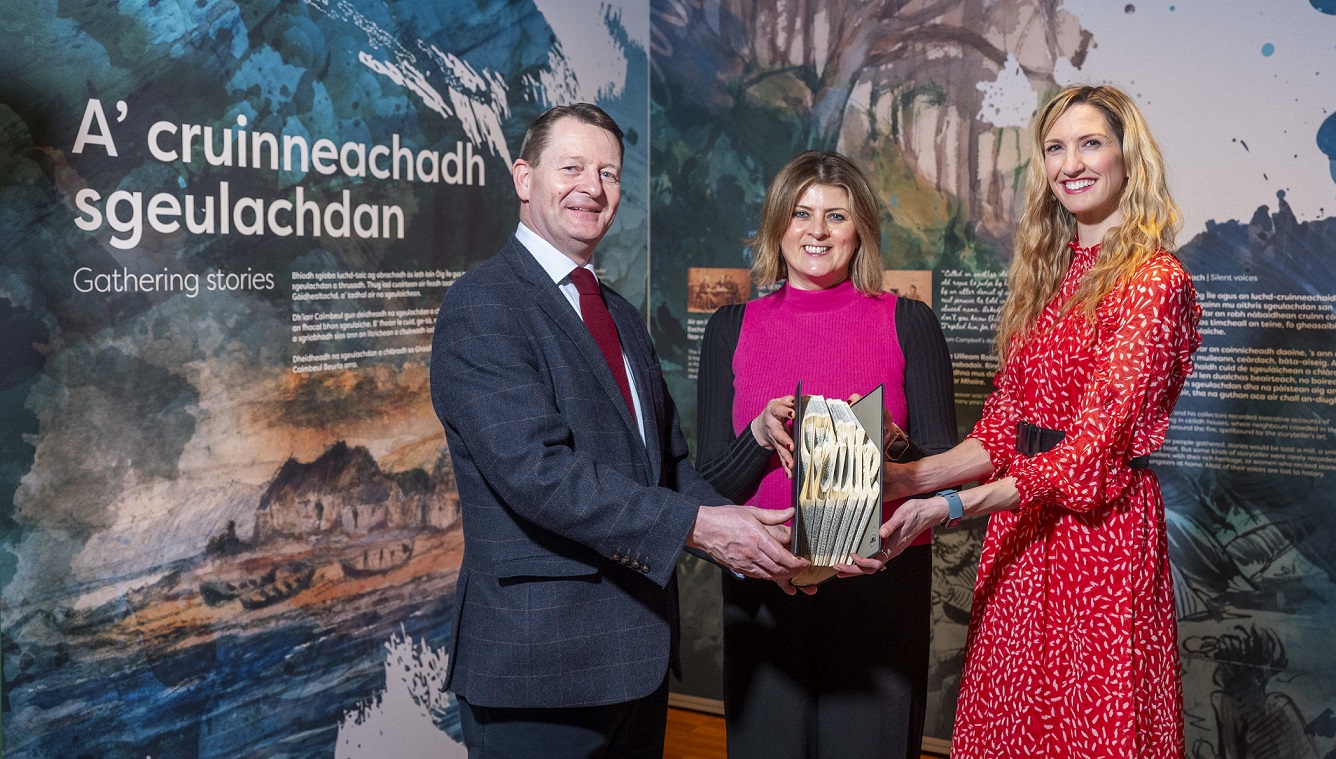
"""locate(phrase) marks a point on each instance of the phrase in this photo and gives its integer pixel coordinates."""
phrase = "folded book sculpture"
(837, 481)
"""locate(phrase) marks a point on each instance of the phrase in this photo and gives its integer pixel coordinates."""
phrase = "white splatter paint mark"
(478, 100)
(401, 721)
(1009, 101)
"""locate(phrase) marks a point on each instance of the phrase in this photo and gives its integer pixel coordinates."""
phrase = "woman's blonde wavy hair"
(1150, 219)
(807, 169)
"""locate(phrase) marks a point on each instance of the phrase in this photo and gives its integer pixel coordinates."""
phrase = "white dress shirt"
(559, 267)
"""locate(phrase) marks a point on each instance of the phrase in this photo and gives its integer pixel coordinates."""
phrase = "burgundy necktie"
(599, 321)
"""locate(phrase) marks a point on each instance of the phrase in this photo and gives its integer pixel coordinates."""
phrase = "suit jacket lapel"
(549, 298)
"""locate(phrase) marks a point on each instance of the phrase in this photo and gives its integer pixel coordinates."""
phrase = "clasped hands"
(754, 542)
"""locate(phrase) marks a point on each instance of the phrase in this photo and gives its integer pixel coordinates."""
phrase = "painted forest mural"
(934, 100)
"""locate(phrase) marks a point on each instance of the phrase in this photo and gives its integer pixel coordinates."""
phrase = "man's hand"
(747, 540)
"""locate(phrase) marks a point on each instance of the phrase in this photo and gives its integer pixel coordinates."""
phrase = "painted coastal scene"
(282, 634)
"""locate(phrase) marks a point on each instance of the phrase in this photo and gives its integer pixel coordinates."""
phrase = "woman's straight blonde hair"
(811, 168)
(1150, 219)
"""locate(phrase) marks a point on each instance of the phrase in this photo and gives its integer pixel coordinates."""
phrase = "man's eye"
(611, 176)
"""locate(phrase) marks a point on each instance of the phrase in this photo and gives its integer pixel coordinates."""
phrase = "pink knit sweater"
(837, 341)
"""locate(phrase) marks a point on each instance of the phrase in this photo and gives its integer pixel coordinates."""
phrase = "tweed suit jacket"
(567, 592)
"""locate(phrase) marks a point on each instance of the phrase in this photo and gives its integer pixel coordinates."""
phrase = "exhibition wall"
(228, 522)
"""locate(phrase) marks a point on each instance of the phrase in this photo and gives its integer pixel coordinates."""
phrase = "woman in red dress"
(1073, 642)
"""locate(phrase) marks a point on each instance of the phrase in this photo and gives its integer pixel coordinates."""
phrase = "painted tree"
(892, 60)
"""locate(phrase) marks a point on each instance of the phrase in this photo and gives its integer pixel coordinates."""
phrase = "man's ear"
(521, 172)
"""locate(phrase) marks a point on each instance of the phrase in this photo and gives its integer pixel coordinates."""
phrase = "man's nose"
(591, 183)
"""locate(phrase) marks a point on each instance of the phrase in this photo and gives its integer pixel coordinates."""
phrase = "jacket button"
(616, 555)
(635, 565)
(644, 568)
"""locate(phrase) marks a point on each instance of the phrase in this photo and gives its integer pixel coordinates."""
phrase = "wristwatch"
(955, 509)
(896, 446)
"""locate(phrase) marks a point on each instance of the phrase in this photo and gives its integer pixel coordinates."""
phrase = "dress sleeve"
(732, 464)
(929, 388)
(996, 429)
(1145, 335)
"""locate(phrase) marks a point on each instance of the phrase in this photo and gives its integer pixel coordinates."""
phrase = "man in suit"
(574, 483)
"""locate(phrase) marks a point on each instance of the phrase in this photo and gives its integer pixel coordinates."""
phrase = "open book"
(836, 481)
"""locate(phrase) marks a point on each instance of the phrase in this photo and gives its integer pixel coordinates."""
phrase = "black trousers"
(843, 673)
(629, 730)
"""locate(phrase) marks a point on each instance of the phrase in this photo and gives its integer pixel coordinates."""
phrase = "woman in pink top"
(842, 672)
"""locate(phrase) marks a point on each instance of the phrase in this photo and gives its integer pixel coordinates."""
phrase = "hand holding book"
(771, 430)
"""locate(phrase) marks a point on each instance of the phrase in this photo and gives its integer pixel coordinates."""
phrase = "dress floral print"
(1073, 643)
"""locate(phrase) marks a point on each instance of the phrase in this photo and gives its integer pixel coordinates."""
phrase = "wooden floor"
(696, 735)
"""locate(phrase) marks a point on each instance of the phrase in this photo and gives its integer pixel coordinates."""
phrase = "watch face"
(896, 445)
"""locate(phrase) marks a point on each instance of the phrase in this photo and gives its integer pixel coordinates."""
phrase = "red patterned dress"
(1073, 642)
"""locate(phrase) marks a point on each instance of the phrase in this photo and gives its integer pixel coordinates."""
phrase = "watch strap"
(955, 508)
